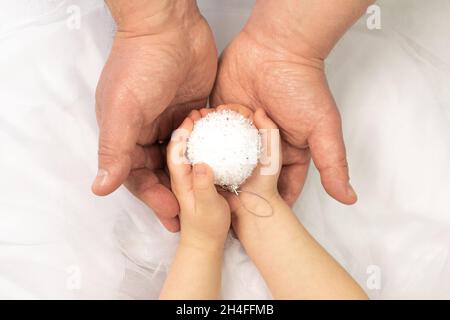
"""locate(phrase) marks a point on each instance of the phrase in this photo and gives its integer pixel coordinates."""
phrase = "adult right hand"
(162, 64)
(277, 63)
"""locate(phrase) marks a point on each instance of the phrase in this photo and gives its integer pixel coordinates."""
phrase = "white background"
(59, 241)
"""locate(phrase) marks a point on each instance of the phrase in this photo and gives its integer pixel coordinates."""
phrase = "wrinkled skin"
(149, 84)
(293, 91)
(163, 64)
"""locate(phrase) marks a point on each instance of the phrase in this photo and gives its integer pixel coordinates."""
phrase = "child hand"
(260, 190)
(204, 213)
(271, 233)
(259, 193)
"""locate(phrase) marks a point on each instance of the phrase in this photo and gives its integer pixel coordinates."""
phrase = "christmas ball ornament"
(229, 143)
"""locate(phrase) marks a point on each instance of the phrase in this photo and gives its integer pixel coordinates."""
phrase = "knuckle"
(339, 167)
(106, 151)
(107, 154)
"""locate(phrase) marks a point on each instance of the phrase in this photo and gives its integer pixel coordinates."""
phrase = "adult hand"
(276, 62)
(162, 64)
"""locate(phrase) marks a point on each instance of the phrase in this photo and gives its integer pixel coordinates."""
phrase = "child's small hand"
(275, 242)
(260, 190)
(204, 213)
(259, 194)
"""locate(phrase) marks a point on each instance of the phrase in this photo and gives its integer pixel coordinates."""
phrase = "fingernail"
(102, 175)
(199, 170)
(350, 191)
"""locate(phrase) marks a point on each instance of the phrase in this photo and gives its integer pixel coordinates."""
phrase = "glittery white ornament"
(229, 143)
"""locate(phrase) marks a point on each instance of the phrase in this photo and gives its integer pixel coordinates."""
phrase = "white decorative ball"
(229, 143)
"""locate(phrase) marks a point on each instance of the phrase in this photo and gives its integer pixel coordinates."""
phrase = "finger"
(293, 155)
(147, 157)
(293, 173)
(328, 152)
(291, 181)
(195, 115)
(147, 186)
(203, 185)
(171, 224)
(179, 166)
(163, 177)
(205, 111)
(119, 131)
(262, 121)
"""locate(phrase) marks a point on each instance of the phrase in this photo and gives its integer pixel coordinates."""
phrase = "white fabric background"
(59, 241)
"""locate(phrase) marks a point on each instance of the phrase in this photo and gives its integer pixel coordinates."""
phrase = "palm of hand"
(148, 85)
(295, 94)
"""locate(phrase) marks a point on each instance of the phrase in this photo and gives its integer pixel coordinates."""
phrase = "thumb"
(328, 152)
(119, 131)
(203, 185)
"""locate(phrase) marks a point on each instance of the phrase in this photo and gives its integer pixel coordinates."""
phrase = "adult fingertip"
(346, 194)
(171, 225)
(104, 183)
(100, 180)
(112, 171)
(341, 191)
(352, 197)
(288, 197)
